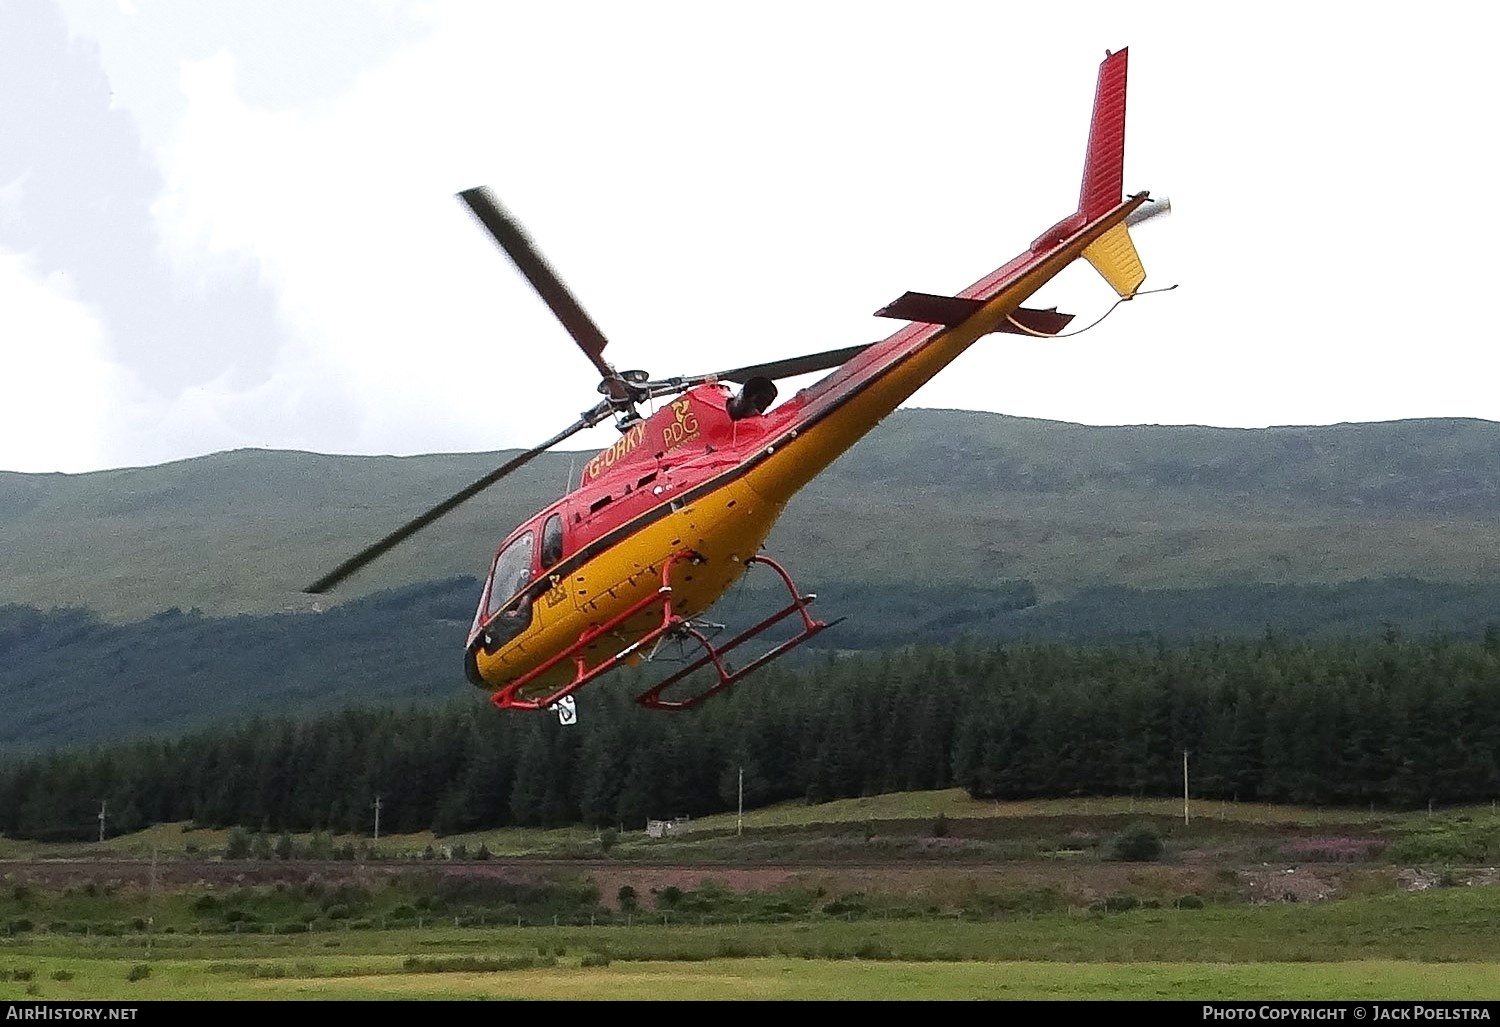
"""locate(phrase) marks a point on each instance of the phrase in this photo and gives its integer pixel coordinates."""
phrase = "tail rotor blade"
(1148, 210)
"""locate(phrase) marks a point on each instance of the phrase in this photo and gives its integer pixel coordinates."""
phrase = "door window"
(552, 541)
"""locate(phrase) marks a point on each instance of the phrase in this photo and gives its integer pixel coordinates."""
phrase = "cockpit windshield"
(511, 574)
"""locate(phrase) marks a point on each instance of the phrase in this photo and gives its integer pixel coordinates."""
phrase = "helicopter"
(659, 525)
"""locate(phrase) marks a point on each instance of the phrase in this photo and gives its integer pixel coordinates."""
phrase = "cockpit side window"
(552, 541)
(512, 573)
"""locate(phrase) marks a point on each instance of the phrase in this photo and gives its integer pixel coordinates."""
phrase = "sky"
(234, 224)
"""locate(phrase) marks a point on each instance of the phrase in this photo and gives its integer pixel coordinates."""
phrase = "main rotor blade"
(410, 528)
(530, 262)
(792, 366)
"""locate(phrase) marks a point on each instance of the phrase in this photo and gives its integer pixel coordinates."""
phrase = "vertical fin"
(1113, 253)
(1104, 165)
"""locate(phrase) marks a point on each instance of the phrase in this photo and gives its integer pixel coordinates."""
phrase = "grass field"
(1434, 945)
(783, 978)
(1021, 900)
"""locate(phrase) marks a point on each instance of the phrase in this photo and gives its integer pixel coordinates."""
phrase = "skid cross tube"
(651, 698)
(509, 696)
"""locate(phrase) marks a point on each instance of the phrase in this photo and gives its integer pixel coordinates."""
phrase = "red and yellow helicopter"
(662, 522)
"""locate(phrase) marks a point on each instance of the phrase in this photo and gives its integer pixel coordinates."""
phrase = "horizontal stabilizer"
(1026, 321)
(950, 311)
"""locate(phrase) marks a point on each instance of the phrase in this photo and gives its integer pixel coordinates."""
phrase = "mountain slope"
(941, 499)
(68, 677)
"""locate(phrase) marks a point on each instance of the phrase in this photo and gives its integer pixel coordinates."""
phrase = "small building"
(662, 828)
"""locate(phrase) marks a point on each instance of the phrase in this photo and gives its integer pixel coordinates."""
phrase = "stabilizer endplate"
(1114, 257)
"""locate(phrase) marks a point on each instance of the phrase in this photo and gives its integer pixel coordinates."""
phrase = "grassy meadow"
(1427, 946)
(781, 978)
(912, 896)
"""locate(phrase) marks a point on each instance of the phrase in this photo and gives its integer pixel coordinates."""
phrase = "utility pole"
(151, 904)
(101, 819)
(1184, 788)
(376, 805)
(739, 827)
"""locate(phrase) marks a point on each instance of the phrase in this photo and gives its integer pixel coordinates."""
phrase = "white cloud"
(60, 395)
(724, 185)
(67, 405)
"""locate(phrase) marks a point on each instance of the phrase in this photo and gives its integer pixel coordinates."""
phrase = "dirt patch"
(649, 880)
(1422, 878)
(1289, 884)
(927, 883)
(177, 874)
(1076, 880)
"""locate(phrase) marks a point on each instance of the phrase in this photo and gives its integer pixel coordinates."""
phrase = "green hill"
(941, 499)
(941, 525)
(67, 677)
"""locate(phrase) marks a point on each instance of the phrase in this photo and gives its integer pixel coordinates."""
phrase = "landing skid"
(672, 624)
